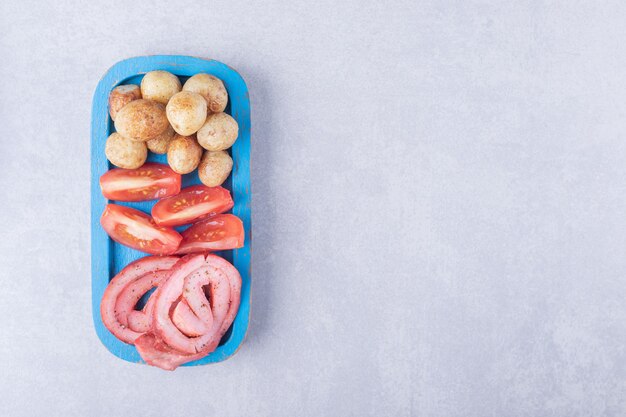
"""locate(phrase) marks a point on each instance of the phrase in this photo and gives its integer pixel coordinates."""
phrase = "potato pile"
(186, 122)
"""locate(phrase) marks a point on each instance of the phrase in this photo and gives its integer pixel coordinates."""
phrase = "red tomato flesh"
(192, 204)
(149, 182)
(221, 232)
(137, 230)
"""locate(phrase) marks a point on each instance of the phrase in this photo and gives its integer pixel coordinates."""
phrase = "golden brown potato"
(159, 86)
(121, 96)
(183, 154)
(215, 168)
(219, 132)
(159, 144)
(187, 112)
(125, 153)
(141, 120)
(211, 88)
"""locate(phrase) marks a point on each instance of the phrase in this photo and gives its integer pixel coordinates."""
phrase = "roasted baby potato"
(183, 154)
(141, 120)
(219, 132)
(159, 86)
(160, 143)
(186, 112)
(211, 88)
(214, 168)
(121, 96)
(125, 153)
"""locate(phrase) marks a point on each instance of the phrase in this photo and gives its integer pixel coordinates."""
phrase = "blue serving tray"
(107, 256)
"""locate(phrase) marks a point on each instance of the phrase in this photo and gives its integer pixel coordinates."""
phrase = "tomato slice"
(149, 182)
(221, 232)
(137, 230)
(192, 204)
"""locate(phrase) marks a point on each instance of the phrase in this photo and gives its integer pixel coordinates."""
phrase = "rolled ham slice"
(126, 288)
(168, 345)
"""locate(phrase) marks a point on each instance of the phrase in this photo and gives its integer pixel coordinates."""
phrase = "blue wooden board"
(108, 257)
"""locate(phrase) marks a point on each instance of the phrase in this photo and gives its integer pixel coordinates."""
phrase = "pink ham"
(234, 280)
(195, 302)
(141, 320)
(157, 353)
(130, 295)
(187, 321)
(186, 280)
(119, 300)
(169, 344)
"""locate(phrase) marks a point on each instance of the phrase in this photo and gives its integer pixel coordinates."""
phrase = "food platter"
(108, 257)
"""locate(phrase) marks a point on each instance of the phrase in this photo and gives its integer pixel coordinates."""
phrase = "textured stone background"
(439, 208)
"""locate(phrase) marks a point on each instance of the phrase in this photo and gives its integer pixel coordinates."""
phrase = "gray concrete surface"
(439, 208)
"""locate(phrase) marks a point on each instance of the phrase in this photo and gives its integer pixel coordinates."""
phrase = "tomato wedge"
(192, 204)
(137, 230)
(149, 182)
(221, 232)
